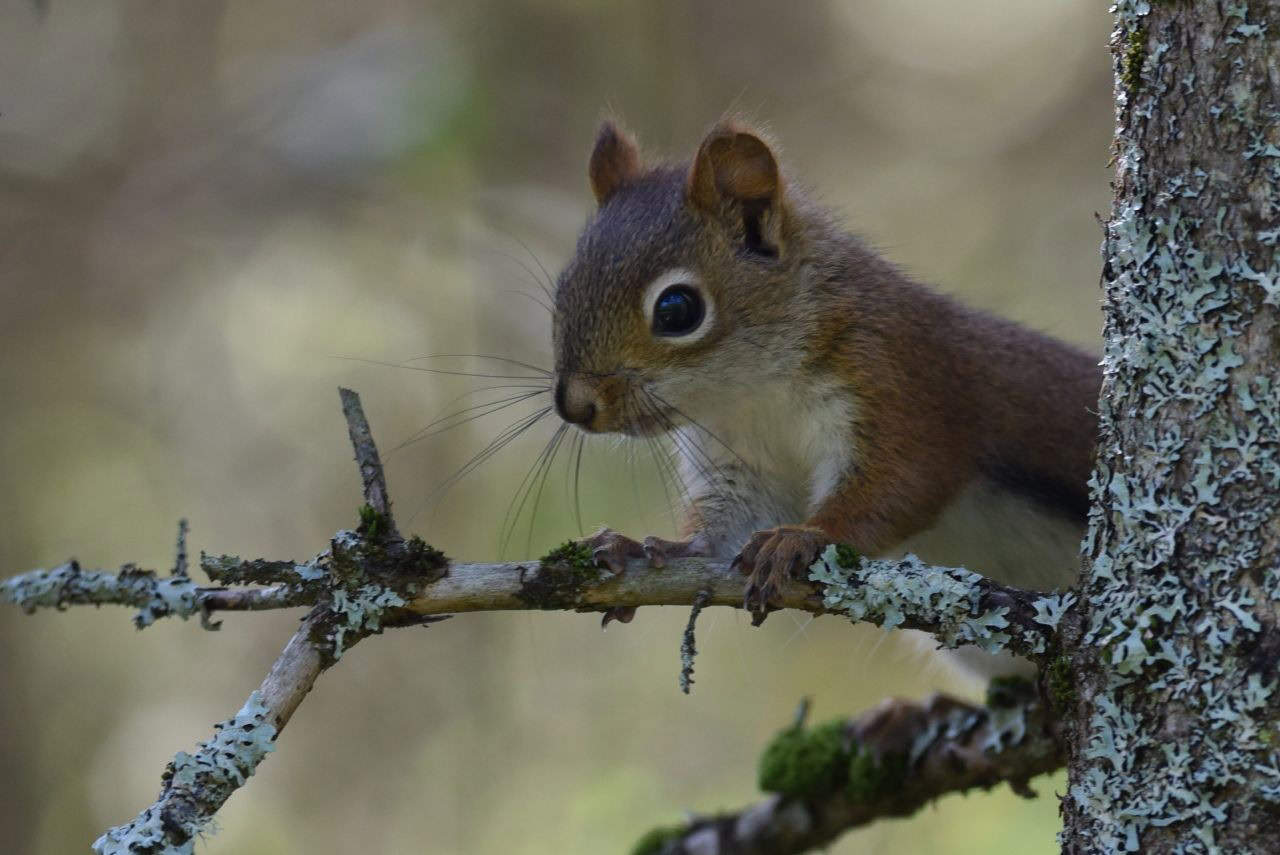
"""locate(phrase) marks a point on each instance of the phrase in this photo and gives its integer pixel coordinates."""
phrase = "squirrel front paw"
(770, 559)
(611, 549)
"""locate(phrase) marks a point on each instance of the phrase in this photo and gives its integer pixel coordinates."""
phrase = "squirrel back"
(805, 379)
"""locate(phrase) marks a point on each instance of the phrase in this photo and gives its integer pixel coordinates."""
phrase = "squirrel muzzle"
(597, 403)
(576, 401)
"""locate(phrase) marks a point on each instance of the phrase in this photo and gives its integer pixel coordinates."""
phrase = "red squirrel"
(813, 392)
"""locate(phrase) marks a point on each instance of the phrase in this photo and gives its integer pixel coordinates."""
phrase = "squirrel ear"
(615, 161)
(736, 174)
(733, 165)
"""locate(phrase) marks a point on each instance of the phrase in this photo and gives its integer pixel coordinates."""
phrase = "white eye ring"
(679, 276)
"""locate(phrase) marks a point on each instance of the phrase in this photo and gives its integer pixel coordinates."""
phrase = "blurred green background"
(209, 209)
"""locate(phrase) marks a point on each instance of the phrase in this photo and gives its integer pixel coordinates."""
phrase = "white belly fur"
(795, 436)
(797, 439)
(1003, 536)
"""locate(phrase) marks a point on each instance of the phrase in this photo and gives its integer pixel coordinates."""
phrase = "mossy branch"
(890, 761)
(955, 605)
(357, 588)
(371, 578)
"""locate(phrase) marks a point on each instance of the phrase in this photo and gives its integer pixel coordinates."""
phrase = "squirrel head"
(686, 284)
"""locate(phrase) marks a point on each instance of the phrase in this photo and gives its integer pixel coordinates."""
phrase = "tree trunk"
(1174, 744)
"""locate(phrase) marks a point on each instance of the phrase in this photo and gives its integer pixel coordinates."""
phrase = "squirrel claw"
(655, 551)
(622, 614)
(760, 600)
(757, 604)
(770, 559)
(659, 551)
(611, 549)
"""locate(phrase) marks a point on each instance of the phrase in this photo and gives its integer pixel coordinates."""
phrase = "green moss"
(805, 762)
(372, 523)
(655, 839)
(870, 778)
(369, 579)
(1011, 691)
(1060, 683)
(561, 576)
(1134, 58)
(808, 762)
(423, 559)
(846, 556)
(573, 553)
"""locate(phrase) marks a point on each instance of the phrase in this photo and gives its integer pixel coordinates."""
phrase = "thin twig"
(195, 786)
(371, 475)
(252, 599)
(688, 645)
(180, 560)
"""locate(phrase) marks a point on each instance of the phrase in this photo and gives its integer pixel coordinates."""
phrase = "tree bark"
(1174, 739)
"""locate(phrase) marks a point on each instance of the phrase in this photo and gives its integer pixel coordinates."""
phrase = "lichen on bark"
(957, 606)
(195, 786)
(1175, 668)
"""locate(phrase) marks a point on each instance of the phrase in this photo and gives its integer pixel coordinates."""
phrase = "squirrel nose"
(575, 403)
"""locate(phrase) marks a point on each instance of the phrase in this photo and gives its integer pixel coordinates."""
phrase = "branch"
(194, 787)
(890, 761)
(955, 605)
(154, 596)
(372, 578)
(375, 484)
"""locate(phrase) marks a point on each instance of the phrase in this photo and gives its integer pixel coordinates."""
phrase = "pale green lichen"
(1182, 429)
(871, 759)
(1051, 609)
(154, 596)
(359, 613)
(232, 570)
(886, 592)
(948, 600)
(367, 579)
(1007, 701)
(195, 786)
(360, 578)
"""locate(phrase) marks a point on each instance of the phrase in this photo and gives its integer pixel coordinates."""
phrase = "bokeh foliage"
(208, 209)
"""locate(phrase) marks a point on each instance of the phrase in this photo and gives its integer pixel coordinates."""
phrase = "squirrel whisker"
(455, 420)
(532, 486)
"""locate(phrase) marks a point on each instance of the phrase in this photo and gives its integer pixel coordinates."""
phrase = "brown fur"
(941, 395)
(947, 394)
(733, 163)
(615, 161)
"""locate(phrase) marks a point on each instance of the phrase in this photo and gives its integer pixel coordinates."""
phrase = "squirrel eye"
(679, 310)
